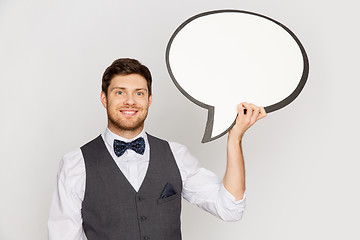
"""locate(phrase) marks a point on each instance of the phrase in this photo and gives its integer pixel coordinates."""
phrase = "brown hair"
(125, 66)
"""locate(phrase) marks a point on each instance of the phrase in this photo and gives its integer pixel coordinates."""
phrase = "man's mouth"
(129, 112)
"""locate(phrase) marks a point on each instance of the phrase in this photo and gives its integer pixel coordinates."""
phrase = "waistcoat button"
(146, 238)
(143, 218)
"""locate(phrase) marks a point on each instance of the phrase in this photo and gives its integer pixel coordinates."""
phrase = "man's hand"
(245, 120)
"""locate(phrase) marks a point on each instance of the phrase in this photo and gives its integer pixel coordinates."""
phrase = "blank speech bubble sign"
(221, 58)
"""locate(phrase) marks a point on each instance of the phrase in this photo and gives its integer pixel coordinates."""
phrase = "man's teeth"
(129, 112)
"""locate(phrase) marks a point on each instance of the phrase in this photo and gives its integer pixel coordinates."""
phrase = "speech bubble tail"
(210, 134)
(209, 126)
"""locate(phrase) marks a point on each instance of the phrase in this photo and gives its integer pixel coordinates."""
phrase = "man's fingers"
(246, 120)
(249, 111)
(262, 113)
(256, 113)
(241, 110)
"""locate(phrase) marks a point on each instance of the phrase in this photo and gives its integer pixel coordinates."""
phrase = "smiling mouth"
(129, 112)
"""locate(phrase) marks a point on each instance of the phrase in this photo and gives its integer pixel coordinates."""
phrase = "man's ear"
(103, 99)
(150, 100)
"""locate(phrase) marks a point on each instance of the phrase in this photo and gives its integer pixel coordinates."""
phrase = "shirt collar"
(110, 136)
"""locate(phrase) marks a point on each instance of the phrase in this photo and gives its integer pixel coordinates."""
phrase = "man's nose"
(129, 100)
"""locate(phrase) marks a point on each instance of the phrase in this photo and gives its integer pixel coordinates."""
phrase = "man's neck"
(127, 134)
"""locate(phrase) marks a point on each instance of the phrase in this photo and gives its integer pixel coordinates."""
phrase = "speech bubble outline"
(211, 109)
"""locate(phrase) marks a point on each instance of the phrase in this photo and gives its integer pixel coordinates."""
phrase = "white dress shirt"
(200, 186)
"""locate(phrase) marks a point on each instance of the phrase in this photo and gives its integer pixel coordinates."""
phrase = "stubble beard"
(123, 127)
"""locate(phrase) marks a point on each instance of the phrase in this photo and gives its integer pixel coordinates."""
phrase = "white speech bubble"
(220, 58)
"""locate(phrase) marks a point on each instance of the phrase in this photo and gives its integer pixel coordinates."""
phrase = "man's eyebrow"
(141, 89)
(117, 88)
(122, 88)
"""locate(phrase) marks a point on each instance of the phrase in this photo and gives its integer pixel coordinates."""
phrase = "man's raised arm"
(234, 179)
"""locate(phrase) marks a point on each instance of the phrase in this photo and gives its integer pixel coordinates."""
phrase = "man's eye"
(119, 93)
(139, 93)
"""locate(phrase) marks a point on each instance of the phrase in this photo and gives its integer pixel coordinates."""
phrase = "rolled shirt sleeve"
(204, 188)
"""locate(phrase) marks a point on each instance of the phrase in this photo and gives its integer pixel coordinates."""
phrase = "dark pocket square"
(168, 191)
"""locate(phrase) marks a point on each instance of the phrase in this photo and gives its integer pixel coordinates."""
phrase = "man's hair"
(125, 66)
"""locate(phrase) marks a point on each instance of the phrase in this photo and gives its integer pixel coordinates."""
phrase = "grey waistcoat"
(113, 210)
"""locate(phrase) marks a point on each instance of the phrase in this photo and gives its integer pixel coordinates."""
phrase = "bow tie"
(138, 145)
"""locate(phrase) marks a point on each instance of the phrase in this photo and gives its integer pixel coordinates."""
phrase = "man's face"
(127, 104)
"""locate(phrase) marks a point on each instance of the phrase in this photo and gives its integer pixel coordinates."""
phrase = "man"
(126, 184)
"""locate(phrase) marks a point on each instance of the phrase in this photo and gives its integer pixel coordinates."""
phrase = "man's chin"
(129, 127)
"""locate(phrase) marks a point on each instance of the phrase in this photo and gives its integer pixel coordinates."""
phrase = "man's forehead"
(130, 81)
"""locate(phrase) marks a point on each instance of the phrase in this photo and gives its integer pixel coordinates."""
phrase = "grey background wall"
(302, 164)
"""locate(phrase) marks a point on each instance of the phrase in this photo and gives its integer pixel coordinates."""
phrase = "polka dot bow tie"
(138, 145)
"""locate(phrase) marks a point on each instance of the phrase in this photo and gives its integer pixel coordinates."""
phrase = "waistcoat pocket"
(171, 198)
